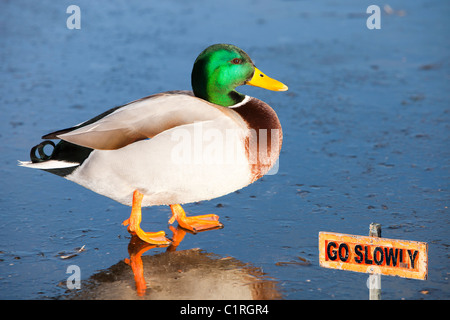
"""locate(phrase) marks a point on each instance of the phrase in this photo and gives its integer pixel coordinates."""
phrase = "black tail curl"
(42, 155)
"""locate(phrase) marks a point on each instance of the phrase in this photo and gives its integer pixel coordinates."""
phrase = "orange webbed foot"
(195, 223)
(133, 223)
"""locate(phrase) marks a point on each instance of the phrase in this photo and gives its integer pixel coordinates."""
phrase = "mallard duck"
(174, 147)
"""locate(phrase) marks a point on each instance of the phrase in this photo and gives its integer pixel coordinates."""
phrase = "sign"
(392, 257)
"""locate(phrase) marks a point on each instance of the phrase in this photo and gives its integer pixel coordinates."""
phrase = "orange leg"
(195, 224)
(178, 236)
(158, 238)
(136, 248)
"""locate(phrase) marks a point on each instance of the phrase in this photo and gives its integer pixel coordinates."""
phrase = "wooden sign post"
(374, 255)
(374, 283)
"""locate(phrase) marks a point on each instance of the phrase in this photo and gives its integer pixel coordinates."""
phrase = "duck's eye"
(236, 61)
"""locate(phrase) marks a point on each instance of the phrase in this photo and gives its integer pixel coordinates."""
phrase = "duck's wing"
(141, 119)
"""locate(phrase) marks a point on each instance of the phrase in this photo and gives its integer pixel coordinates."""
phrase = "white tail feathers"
(50, 164)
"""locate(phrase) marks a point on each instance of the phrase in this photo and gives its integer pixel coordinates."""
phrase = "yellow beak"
(259, 79)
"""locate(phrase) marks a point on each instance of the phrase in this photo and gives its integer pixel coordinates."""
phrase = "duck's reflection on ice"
(186, 274)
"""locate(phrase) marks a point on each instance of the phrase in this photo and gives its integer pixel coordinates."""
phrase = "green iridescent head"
(220, 68)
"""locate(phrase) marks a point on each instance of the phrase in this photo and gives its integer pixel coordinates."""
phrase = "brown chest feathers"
(263, 143)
